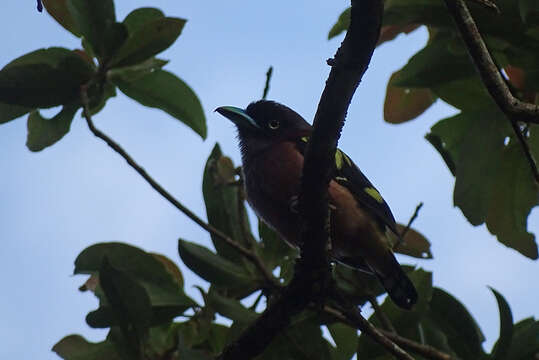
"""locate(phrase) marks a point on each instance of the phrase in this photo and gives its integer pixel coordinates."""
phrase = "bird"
(272, 140)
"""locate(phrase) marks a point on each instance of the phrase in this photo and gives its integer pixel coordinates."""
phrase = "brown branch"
(489, 4)
(312, 275)
(415, 347)
(250, 255)
(353, 318)
(515, 109)
(408, 226)
(269, 73)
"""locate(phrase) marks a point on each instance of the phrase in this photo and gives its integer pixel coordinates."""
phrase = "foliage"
(141, 296)
(478, 145)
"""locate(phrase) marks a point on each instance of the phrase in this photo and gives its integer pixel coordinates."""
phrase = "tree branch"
(408, 226)
(250, 255)
(269, 73)
(312, 275)
(515, 109)
(381, 315)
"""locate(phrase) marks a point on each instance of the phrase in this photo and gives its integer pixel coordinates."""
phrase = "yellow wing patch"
(374, 194)
(305, 139)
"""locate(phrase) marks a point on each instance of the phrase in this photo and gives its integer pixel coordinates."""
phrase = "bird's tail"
(397, 284)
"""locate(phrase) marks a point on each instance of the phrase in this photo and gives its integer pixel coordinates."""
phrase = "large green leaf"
(137, 18)
(463, 333)
(59, 10)
(274, 250)
(10, 112)
(502, 346)
(346, 339)
(75, 347)
(413, 244)
(223, 208)
(230, 308)
(44, 132)
(214, 268)
(494, 183)
(94, 20)
(155, 275)
(163, 90)
(148, 40)
(44, 78)
(525, 343)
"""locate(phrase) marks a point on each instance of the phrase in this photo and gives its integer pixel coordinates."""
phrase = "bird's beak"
(238, 116)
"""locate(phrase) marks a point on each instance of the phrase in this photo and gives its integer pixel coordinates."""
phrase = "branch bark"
(312, 276)
(515, 109)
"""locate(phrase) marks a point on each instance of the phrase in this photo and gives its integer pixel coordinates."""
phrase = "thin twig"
(489, 4)
(354, 318)
(415, 347)
(270, 279)
(408, 226)
(381, 315)
(515, 109)
(269, 73)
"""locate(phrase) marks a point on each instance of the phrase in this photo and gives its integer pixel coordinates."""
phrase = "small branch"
(269, 73)
(424, 350)
(515, 109)
(354, 318)
(489, 73)
(408, 226)
(489, 4)
(381, 315)
(251, 256)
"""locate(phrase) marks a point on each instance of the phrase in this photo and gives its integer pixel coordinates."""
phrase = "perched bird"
(272, 139)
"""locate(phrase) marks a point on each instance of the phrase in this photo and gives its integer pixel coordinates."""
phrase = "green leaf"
(94, 19)
(404, 104)
(502, 346)
(529, 10)
(160, 282)
(139, 17)
(44, 132)
(222, 205)
(230, 308)
(10, 112)
(525, 343)
(150, 39)
(465, 94)
(463, 333)
(59, 10)
(75, 347)
(346, 340)
(434, 65)
(494, 183)
(44, 78)
(213, 268)
(163, 90)
(274, 250)
(129, 301)
(341, 25)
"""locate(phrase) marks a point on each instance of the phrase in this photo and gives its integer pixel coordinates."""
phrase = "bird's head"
(266, 122)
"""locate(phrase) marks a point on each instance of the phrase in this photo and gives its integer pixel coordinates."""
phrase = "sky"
(79, 192)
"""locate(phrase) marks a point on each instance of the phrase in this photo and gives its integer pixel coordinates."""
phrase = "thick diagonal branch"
(312, 271)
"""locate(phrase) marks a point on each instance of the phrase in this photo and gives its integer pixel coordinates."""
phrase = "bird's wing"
(348, 175)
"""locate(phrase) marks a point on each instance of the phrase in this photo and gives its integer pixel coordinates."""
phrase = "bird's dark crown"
(275, 121)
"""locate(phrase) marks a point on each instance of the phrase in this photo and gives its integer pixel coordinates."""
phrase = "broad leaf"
(10, 112)
(59, 10)
(341, 25)
(414, 244)
(525, 343)
(223, 209)
(94, 20)
(150, 39)
(494, 183)
(75, 347)
(230, 308)
(44, 78)
(463, 333)
(274, 250)
(44, 132)
(163, 90)
(137, 18)
(403, 104)
(213, 268)
(346, 339)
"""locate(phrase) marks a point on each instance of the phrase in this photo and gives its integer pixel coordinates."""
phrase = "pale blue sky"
(55, 203)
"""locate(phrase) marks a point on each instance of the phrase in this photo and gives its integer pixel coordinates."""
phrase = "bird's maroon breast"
(272, 181)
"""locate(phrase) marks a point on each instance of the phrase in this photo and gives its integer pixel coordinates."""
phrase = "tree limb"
(515, 109)
(250, 255)
(312, 273)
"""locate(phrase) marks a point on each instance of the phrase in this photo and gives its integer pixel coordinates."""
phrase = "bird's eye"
(274, 124)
